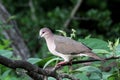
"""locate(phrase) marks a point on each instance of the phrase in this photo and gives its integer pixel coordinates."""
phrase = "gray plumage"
(68, 46)
(65, 47)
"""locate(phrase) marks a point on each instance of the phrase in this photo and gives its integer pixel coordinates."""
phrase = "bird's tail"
(93, 55)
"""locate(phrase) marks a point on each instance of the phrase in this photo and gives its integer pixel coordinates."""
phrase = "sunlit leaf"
(51, 78)
(117, 50)
(95, 43)
(100, 51)
(6, 53)
(50, 61)
(34, 60)
(63, 32)
(116, 42)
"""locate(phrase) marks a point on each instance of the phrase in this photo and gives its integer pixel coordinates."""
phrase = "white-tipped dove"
(65, 47)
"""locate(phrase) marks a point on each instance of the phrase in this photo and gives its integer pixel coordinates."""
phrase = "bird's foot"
(59, 65)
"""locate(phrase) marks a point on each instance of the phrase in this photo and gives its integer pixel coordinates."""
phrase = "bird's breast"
(50, 45)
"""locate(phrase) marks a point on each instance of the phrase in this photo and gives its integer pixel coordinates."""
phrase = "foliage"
(93, 17)
(93, 71)
(96, 18)
(7, 73)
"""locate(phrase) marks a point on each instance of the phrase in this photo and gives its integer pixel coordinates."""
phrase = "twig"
(83, 61)
(67, 22)
(32, 9)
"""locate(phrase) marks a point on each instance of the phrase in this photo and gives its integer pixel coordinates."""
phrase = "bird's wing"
(68, 46)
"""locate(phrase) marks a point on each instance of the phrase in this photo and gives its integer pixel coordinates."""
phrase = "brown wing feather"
(67, 46)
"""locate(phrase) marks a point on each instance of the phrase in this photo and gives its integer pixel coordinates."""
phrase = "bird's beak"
(40, 34)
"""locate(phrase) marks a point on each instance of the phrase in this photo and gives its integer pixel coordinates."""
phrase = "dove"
(65, 47)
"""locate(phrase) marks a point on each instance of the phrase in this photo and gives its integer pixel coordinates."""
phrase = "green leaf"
(51, 78)
(88, 69)
(43, 61)
(117, 50)
(100, 51)
(11, 18)
(34, 60)
(106, 75)
(5, 74)
(87, 37)
(6, 53)
(114, 76)
(95, 76)
(110, 45)
(95, 43)
(116, 42)
(63, 32)
(50, 61)
(73, 35)
(81, 76)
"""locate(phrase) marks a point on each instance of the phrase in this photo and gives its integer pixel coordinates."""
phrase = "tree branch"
(83, 61)
(36, 73)
(93, 60)
(32, 70)
(13, 33)
(67, 22)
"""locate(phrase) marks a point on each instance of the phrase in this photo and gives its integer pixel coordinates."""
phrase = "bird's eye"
(43, 32)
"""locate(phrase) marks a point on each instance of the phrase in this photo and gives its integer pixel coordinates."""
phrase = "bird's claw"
(59, 65)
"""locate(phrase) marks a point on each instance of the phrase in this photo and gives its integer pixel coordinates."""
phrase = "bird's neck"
(47, 37)
(50, 42)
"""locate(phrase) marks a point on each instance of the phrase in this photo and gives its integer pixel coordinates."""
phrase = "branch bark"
(67, 22)
(93, 60)
(13, 34)
(36, 73)
(33, 71)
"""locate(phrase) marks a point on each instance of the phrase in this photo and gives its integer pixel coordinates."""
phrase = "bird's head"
(44, 32)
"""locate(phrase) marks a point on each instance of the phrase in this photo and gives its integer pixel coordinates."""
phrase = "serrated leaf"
(34, 60)
(6, 53)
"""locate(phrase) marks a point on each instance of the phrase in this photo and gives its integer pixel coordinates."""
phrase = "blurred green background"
(98, 18)
(96, 22)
